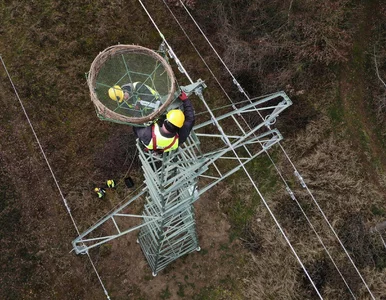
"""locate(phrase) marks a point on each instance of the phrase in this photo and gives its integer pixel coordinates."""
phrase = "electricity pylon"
(168, 229)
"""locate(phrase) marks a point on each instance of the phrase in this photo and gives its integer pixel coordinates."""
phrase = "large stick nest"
(98, 63)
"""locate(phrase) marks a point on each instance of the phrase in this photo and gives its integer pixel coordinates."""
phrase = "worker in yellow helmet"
(117, 94)
(169, 132)
(133, 94)
(100, 192)
(110, 183)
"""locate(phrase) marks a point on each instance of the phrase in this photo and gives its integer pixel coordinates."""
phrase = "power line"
(380, 235)
(278, 171)
(170, 50)
(51, 171)
(226, 139)
(283, 150)
(312, 226)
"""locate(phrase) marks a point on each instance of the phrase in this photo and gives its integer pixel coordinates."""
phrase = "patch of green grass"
(10, 221)
(336, 113)
(377, 211)
(263, 169)
(105, 250)
(165, 294)
(229, 282)
(181, 290)
(224, 247)
(203, 251)
(7, 189)
(349, 119)
(240, 214)
(365, 139)
(380, 262)
(366, 142)
(216, 293)
(362, 134)
(191, 284)
(358, 56)
(242, 204)
(379, 133)
(148, 277)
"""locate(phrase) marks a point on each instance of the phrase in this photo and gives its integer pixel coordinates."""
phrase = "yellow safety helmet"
(96, 189)
(116, 93)
(176, 117)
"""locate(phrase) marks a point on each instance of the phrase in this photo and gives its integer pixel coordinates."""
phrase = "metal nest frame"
(96, 66)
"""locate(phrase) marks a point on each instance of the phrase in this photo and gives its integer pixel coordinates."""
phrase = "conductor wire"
(51, 171)
(288, 158)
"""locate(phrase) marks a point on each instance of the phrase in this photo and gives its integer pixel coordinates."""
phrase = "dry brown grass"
(48, 45)
(331, 168)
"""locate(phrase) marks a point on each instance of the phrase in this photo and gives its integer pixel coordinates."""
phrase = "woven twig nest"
(121, 64)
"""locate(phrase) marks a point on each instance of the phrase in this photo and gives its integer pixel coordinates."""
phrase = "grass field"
(320, 54)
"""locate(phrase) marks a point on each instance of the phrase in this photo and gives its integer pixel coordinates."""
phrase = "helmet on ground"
(176, 117)
(116, 93)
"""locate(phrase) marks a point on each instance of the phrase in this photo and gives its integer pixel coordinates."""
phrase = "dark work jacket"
(144, 133)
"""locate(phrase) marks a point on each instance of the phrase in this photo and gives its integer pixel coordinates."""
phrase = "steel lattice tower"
(168, 229)
(171, 191)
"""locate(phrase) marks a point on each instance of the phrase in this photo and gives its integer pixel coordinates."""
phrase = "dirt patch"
(206, 271)
(354, 92)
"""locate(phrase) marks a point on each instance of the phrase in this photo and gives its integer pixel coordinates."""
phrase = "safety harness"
(163, 145)
(154, 140)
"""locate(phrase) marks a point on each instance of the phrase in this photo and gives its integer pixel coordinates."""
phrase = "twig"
(289, 10)
(380, 235)
(376, 68)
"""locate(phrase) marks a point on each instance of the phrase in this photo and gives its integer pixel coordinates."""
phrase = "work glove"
(183, 96)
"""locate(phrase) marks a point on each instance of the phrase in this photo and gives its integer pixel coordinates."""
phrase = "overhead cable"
(278, 171)
(51, 171)
(283, 150)
(254, 184)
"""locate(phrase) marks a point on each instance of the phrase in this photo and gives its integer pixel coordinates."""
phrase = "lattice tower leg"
(169, 198)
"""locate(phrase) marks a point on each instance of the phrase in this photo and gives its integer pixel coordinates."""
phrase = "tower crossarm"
(117, 224)
(222, 163)
(262, 110)
(167, 229)
(243, 132)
